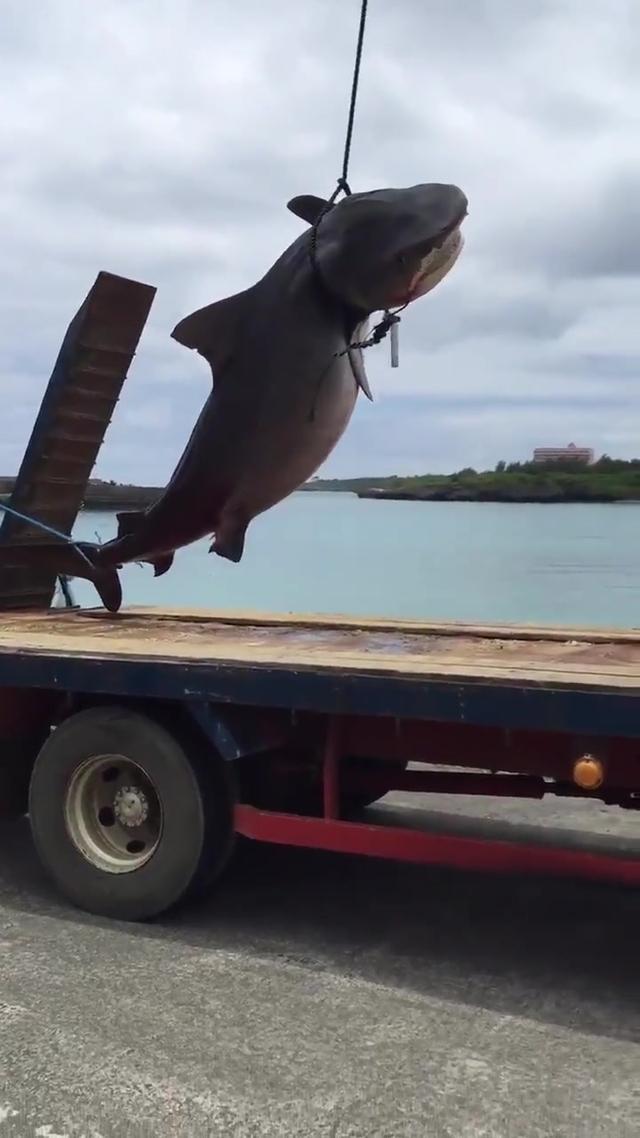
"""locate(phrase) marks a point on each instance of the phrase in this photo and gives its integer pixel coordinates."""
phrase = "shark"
(287, 366)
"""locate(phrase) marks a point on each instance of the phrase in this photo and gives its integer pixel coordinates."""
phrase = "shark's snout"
(420, 240)
(384, 248)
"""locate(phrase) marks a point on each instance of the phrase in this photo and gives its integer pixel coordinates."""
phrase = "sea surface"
(336, 553)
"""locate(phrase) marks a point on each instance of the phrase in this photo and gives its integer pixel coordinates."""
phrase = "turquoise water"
(332, 553)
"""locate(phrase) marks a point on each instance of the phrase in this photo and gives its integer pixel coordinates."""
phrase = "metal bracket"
(235, 732)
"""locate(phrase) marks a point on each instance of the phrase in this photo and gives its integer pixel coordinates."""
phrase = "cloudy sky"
(161, 139)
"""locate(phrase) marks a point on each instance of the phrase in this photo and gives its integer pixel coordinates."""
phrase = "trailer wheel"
(129, 818)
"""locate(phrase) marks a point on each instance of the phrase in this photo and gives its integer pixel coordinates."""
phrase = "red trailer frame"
(330, 832)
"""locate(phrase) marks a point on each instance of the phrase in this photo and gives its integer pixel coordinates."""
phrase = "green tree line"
(607, 480)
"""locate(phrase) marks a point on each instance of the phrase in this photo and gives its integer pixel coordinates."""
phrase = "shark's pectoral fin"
(214, 330)
(356, 358)
(308, 207)
(360, 375)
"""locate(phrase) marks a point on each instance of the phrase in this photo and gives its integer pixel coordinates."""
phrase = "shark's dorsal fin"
(308, 207)
(213, 331)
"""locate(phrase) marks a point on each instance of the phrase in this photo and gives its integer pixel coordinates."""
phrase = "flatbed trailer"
(144, 744)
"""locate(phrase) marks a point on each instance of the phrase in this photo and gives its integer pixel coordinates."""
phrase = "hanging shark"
(287, 368)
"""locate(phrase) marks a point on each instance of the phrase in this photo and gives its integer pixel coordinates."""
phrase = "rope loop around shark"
(278, 351)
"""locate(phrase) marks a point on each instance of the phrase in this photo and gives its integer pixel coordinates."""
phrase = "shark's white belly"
(295, 440)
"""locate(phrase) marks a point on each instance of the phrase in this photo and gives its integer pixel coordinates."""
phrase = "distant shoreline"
(104, 496)
(566, 499)
(609, 482)
(605, 481)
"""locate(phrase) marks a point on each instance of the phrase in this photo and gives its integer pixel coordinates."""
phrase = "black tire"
(192, 793)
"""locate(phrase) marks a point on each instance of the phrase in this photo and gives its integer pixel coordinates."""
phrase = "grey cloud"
(163, 142)
(596, 235)
(468, 309)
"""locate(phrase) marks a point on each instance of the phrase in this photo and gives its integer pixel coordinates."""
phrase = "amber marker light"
(588, 773)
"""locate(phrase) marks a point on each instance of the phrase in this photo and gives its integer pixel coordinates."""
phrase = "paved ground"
(324, 996)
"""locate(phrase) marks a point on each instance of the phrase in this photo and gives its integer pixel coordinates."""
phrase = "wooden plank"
(318, 646)
(76, 409)
(372, 624)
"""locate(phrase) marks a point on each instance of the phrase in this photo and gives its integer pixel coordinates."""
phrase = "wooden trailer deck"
(577, 658)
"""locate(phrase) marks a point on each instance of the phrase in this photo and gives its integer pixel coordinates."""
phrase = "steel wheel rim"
(113, 813)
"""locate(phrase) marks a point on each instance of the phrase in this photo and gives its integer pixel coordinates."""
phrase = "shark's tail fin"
(70, 560)
(105, 579)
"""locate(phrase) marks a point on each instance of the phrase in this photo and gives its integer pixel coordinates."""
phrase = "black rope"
(66, 591)
(343, 183)
(390, 318)
(380, 330)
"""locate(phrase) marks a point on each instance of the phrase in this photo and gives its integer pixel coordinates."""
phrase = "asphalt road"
(316, 995)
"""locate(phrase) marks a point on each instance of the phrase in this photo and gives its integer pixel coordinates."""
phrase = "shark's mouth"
(435, 265)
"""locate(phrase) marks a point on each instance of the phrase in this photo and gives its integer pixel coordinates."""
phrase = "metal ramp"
(75, 412)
